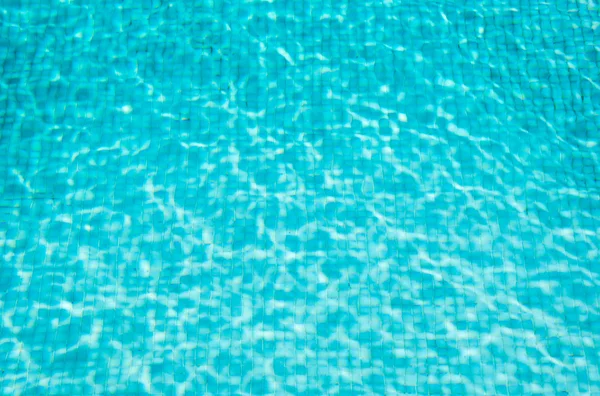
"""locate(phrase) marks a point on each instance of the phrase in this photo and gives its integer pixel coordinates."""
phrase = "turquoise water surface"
(299, 197)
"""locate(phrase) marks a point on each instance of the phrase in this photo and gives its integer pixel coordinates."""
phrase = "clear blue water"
(299, 197)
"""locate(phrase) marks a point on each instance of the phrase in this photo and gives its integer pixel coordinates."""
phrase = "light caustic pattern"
(302, 197)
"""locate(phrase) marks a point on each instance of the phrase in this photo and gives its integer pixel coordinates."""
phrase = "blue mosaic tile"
(299, 198)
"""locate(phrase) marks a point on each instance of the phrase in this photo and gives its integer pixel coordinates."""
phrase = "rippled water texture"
(299, 197)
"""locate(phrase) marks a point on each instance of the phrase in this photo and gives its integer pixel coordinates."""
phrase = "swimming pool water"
(299, 197)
